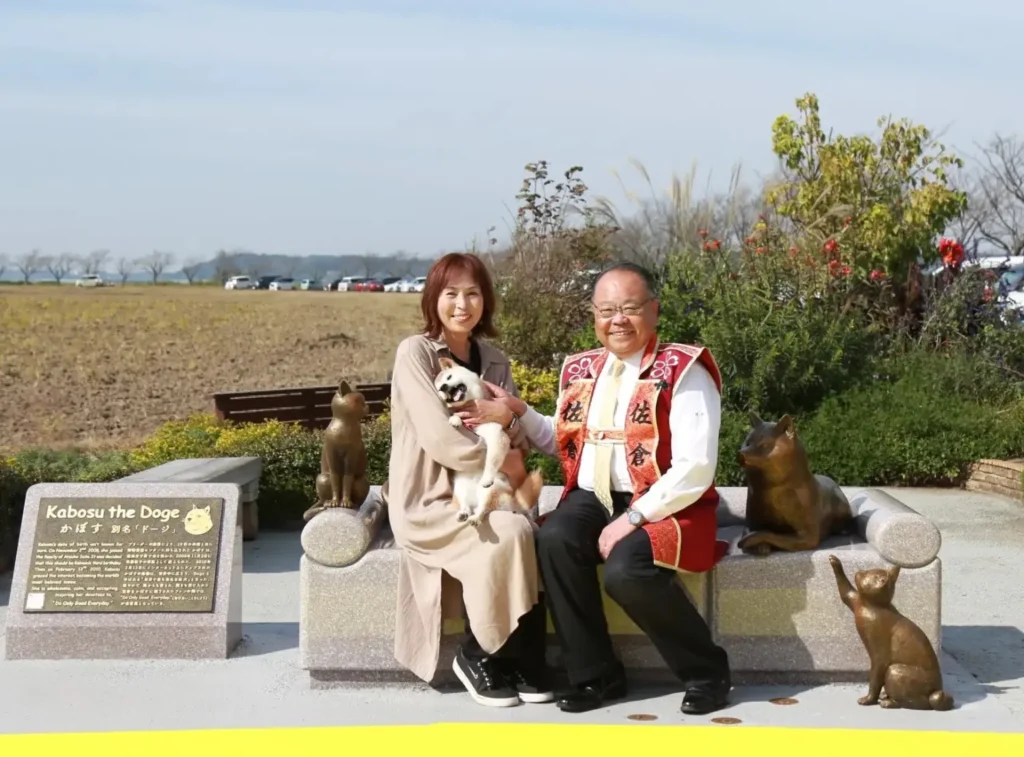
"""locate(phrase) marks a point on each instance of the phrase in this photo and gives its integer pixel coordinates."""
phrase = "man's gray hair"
(649, 281)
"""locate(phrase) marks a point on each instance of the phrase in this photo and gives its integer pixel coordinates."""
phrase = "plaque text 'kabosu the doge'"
(125, 555)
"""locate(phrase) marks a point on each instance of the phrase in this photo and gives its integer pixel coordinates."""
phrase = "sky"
(369, 126)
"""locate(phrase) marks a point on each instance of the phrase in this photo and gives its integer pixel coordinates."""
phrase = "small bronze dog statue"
(788, 508)
(342, 481)
(904, 667)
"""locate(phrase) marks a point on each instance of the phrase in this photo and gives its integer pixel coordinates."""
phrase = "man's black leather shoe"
(703, 698)
(591, 695)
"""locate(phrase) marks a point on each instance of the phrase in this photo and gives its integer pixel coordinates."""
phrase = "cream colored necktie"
(605, 421)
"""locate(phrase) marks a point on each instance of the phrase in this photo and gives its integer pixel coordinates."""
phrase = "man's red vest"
(686, 541)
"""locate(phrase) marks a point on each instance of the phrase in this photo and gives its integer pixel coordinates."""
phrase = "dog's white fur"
(478, 492)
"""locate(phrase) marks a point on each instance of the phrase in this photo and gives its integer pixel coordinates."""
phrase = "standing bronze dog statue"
(788, 508)
(342, 481)
(904, 667)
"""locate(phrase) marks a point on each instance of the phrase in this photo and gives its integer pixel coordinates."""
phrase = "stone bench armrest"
(898, 533)
(339, 536)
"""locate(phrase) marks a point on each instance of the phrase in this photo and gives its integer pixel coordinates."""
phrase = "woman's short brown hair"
(437, 279)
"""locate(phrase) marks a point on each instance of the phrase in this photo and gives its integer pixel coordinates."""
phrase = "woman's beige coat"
(495, 562)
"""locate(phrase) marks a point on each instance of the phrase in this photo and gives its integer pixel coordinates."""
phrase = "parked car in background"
(413, 285)
(90, 280)
(1006, 282)
(282, 284)
(395, 285)
(264, 282)
(309, 284)
(332, 285)
(370, 285)
(239, 282)
(579, 280)
(348, 283)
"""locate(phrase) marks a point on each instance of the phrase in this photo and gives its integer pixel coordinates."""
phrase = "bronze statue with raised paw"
(904, 667)
(788, 508)
(342, 481)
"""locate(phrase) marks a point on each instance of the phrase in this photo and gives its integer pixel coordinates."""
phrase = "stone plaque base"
(71, 539)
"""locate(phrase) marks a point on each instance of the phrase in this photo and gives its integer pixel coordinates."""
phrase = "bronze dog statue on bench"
(788, 508)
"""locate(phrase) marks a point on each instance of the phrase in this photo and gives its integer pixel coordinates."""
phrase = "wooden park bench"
(310, 406)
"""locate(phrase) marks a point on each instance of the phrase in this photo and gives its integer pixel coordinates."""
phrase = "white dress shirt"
(694, 420)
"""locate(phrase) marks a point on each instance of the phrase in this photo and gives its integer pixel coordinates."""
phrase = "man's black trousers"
(650, 595)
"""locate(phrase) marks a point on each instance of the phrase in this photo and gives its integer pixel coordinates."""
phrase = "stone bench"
(244, 471)
(779, 617)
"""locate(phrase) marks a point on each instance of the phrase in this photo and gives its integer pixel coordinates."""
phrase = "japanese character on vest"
(686, 541)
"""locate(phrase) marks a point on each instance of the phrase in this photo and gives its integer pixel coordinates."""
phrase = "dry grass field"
(103, 368)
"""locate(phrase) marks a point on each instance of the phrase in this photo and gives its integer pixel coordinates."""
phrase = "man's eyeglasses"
(629, 309)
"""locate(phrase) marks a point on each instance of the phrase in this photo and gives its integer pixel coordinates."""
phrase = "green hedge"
(919, 424)
(290, 456)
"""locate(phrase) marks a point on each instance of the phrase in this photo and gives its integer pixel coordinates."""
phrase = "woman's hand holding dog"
(475, 412)
(514, 404)
(501, 409)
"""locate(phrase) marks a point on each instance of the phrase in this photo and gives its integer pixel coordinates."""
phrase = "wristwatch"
(512, 423)
(635, 517)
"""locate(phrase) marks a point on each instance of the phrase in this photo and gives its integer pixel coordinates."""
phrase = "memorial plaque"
(118, 555)
(127, 571)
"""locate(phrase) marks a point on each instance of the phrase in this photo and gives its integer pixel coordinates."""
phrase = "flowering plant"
(952, 252)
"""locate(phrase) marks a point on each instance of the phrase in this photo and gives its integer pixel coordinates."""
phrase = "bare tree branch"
(403, 264)
(1000, 189)
(191, 269)
(30, 263)
(125, 267)
(59, 266)
(93, 261)
(156, 262)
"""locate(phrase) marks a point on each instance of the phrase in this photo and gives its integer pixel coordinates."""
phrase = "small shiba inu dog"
(478, 492)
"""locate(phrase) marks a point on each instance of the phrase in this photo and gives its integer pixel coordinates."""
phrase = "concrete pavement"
(262, 685)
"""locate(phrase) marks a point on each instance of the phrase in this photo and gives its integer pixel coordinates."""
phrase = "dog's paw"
(486, 482)
(752, 544)
(454, 420)
(462, 517)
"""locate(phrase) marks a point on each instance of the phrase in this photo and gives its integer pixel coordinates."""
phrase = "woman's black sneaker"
(484, 681)
(534, 686)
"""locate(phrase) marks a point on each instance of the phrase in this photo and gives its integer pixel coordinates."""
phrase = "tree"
(682, 221)
(156, 262)
(542, 278)
(1000, 195)
(225, 266)
(58, 265)
(368, 261)
(403, 263)
(30, 263)
(256, 266)
(191, 269)
(125, 267)
(93, 262)
(878, 203)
